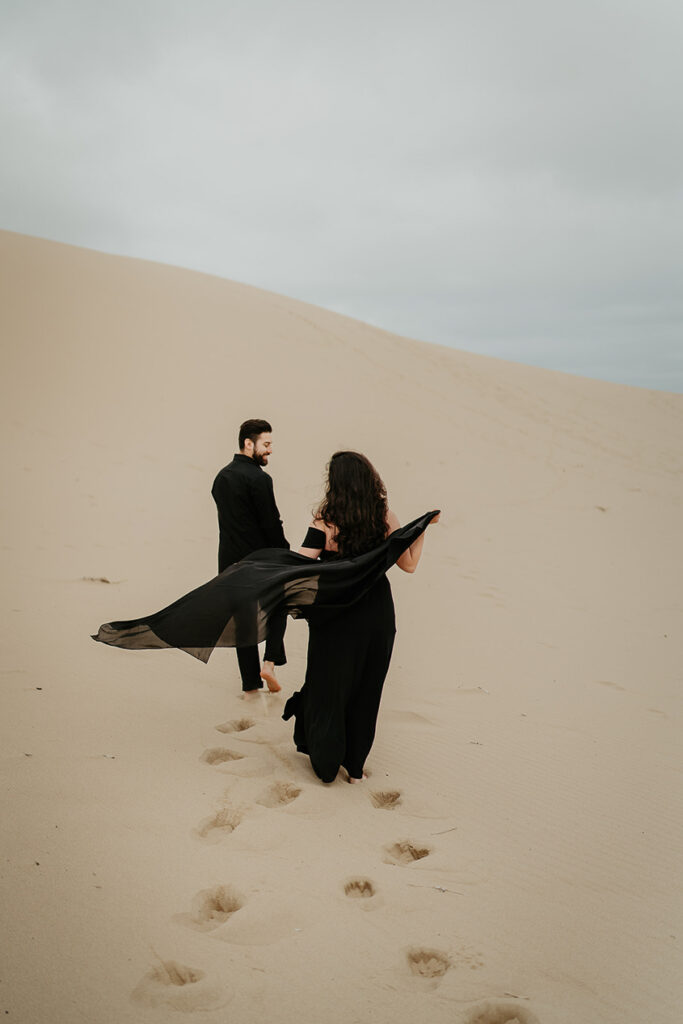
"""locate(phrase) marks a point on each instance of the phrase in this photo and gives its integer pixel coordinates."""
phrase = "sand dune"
(515, 854)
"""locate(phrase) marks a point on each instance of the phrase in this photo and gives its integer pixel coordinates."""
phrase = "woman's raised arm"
(411, 556)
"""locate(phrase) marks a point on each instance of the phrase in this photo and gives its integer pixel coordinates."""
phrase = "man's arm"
(267, 514)
(220, 492)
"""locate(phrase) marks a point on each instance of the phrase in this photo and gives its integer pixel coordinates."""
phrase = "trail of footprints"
(179, 987)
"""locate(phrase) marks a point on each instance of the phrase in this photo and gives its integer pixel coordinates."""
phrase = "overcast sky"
(503, 176)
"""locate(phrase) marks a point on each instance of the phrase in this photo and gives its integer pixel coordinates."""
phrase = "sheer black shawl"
(233, 609)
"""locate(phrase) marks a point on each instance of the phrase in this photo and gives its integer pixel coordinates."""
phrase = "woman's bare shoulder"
(392, 521)
(320, 524)
(331, 532)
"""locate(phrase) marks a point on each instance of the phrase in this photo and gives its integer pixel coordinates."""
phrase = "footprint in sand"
(428, 963)
(238, 725)
(492, 1012)
(279, 794)
(220, 755)
(405, 852)
(359, 888)
(386, 799)
(178, 987)
(221, 824)
(211, 908)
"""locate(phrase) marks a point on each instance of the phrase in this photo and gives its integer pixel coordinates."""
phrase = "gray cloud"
(499, 176)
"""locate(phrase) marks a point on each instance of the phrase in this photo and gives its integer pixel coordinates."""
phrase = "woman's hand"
(435, 519)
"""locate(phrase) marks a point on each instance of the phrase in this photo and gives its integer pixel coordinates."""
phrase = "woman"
(349, 654)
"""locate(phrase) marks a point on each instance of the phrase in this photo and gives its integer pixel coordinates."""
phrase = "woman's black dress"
(348, 660)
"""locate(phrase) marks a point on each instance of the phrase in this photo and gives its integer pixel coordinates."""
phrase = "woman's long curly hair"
(355, 503)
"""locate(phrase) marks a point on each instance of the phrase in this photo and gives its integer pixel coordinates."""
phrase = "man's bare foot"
(250, 694)
(363, 779)
(268, 675)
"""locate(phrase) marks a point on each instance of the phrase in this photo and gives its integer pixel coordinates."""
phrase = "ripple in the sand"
(279, 794)
(359, 888)
(173, 985)
(220, 755)
(428, 963)
(386, 799)
(237, 725)
(405, 852)
(494, 1012)
(221, 824)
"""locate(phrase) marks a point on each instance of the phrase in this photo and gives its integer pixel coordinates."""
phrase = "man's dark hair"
(252, 429)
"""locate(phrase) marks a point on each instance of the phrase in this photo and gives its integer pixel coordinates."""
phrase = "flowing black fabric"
(233, 609)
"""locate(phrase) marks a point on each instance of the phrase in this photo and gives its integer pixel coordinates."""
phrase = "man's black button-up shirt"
(248, 518)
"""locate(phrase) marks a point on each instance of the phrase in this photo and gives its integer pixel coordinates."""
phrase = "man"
(248, 519)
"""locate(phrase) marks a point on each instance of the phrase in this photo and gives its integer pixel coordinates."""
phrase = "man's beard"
(260, 458)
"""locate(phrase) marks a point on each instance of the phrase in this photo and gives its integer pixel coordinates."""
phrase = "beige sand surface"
(516, 853)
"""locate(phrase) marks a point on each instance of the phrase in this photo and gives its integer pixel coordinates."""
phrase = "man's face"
(261, 449)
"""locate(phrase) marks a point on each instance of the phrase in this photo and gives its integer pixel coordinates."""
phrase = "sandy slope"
(516, 853)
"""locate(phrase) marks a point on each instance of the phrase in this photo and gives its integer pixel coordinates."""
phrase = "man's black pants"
(248, 657)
